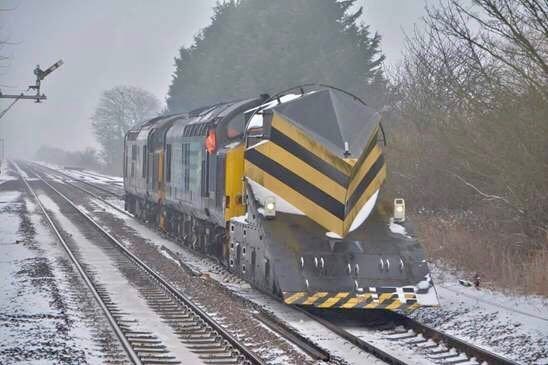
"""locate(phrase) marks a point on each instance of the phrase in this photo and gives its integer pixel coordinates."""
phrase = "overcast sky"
(105, 43)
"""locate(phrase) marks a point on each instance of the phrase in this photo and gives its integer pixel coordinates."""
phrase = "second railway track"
(159, 325)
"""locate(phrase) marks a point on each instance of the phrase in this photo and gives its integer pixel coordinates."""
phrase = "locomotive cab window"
(235, 128)
(168, 163)
(144, 163)
(192, 166)
(134, 152)
(125, 162)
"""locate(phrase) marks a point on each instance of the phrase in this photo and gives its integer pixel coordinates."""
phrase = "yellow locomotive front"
(312, 232)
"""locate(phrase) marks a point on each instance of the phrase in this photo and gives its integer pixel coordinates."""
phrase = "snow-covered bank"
(45, 315)
(513, 326)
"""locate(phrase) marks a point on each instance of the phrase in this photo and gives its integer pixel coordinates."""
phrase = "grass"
(505, 261)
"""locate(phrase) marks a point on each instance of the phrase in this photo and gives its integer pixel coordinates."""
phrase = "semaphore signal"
(40, 75)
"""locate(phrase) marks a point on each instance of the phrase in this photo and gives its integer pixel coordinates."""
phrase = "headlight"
(399, 210)
(270, 207)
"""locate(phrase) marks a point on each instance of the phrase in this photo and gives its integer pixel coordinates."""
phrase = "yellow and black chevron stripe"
(327, 188)
(384, 299)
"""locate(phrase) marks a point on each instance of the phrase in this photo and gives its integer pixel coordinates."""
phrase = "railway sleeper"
(429, 344)
(207, 335)
(472, 361)
(180, 313)
(173, 317)
(145, 341)
(449, 354)
(166, 303)
(216, 356)
(184, 325)
(202, 341)
(189, 321)
(150, 350)
(152, 361)
(440, 350)
(209, 350)
(193, 330)
(416, 341)
(397, 330)
(223, 361)
(232, 360)
(139, 334)
(168, 307)
(160, 297)
(462, 358)
(158, 358)
(147, 346)
(401, 336)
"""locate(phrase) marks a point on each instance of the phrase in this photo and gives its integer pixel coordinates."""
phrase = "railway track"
(115, 192)
(181, 332)
(98, 194)
(395, 329)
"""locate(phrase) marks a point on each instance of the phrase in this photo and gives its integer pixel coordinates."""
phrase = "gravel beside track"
(226, 307)
(427, 345)
(47, 315)
(200, 338)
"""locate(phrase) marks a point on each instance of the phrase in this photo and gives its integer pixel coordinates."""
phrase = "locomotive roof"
(337, 118)
(142, 130)
(205, 117)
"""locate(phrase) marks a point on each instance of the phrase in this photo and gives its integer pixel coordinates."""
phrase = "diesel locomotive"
(283, 191)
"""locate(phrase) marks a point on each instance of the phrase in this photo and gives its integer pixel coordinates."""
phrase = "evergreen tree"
(264, 46)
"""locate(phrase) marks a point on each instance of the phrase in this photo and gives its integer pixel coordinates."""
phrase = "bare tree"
(118, 110)
(509, 33)
(469, 128)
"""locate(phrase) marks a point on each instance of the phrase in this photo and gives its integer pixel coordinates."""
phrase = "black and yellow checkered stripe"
(325, 187)
(387, 299)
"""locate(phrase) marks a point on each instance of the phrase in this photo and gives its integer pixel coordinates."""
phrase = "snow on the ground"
(86, 175)
(514, 326)
(511, 325)
(36, 324)
(307, 327)
(122, 291)
(5, 174)
(46, 314)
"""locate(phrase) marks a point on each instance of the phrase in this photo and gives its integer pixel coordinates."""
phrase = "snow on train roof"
(145, 128)
(205, 114)
(334, 117)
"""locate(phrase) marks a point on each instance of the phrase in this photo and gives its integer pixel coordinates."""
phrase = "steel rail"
(288, 333)
(117, 330)
(271, 323)
(469, 349)
(250, 355)
(480, 354)
(86, 191)
(364, 345)
(82, 181)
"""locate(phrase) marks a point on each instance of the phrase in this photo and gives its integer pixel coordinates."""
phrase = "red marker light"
(211, 141)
